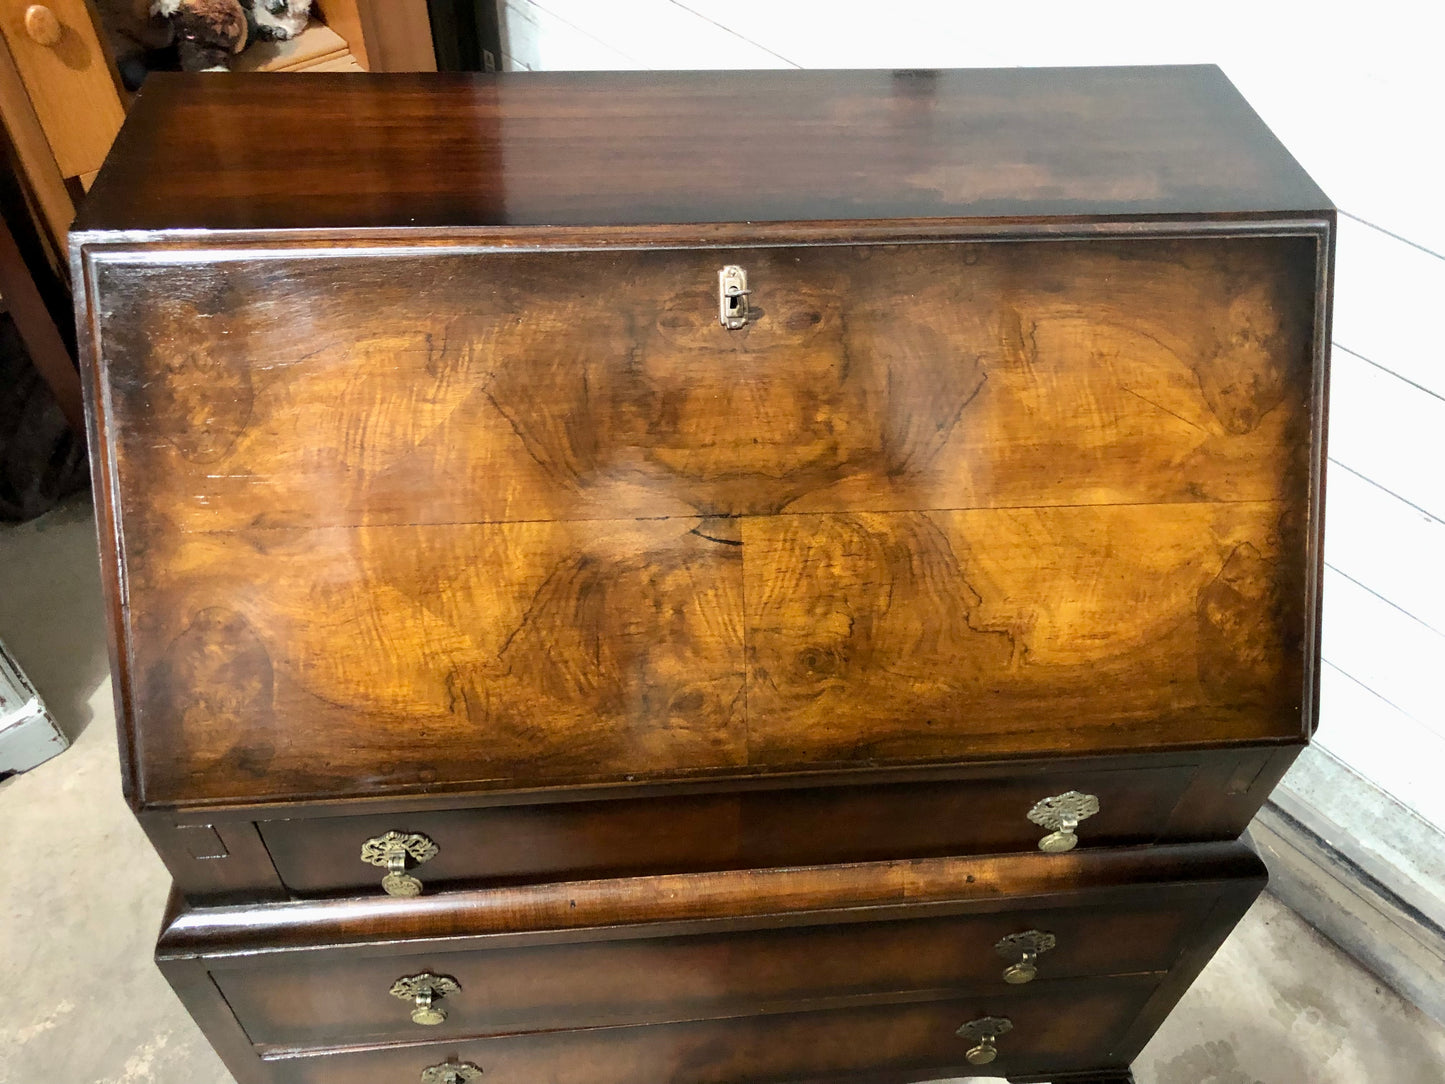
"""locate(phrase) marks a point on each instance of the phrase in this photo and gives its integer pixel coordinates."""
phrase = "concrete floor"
(83, 894)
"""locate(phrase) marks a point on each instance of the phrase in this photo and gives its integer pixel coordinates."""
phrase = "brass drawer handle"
(1024, 949)
(425, 991)
(451, 1072)
(392, 851)
(984, 1033)
(1061, 815)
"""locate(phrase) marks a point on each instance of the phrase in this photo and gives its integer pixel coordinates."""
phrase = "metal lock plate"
(1061, 814)
(732, 297)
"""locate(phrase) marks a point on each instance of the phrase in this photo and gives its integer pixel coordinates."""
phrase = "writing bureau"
(706, 576)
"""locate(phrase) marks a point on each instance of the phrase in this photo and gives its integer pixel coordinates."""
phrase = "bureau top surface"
(276, 151)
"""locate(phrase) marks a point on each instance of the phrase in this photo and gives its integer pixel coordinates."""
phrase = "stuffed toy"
(276, 20)
(207, 32)
(139, 39)
(202, 35)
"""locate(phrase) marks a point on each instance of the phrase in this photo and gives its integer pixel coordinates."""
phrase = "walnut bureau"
(707, 578)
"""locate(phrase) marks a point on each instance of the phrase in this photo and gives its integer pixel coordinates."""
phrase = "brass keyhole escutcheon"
(1024, 949)
(425, 992)
(732, 297)
(393, 851)
(984, 1033)
(451, 1072)
(1061, 815)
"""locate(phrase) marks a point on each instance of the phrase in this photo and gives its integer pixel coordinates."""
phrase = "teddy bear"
(276, 20)
(207, 32)
(139, 39)
(196, 35)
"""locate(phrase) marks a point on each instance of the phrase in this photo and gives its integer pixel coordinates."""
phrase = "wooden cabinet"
(778, 535)
(60, 53)
(62, 101)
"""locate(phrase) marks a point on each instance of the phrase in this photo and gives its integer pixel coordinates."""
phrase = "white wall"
(1357, 92)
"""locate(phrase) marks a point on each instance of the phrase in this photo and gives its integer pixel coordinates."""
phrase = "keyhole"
(732, 297)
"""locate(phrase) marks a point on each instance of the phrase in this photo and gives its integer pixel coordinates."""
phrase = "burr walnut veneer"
(649, 578)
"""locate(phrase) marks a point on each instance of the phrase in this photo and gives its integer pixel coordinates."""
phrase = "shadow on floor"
(52, 616)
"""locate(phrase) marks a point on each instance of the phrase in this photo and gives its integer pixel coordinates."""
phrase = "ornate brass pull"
(1024, 949)
(1061, 815)
(451, 1072)
(984, 1033)
(392, 851)
(425, 991)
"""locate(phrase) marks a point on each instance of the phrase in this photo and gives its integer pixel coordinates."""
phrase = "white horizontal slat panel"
(1385, 650)
(1382, 743)
(1356, 132)
(1386, 545)
(858, 33)
(1383, 287)
(540, 41)
(1389, 431)
(662, 35)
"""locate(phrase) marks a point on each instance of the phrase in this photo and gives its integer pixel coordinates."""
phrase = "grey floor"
(82, 896)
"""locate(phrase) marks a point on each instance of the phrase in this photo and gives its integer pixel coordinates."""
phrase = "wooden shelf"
(317, 48)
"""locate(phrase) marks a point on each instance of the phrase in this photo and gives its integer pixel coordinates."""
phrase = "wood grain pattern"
(903, 636)
(405, 150)
(617, 650)
(912, 513)
(501, 387)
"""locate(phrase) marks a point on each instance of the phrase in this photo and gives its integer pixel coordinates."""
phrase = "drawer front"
(347, 1000)
(1051, 1030)
(753, 829)
(508, 520)
(634, 964)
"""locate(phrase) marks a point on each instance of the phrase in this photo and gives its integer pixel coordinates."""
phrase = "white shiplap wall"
(1358, 94)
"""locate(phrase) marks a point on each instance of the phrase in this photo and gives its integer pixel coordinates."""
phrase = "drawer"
(753, 829)
(347, 1001)
(320, 974)
(1069, 1027)
(1210, 795)
(503, 521)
